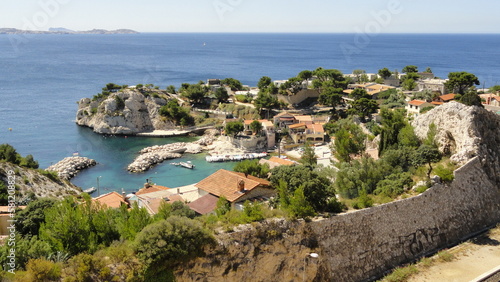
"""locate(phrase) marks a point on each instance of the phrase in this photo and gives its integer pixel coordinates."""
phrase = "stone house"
(434, 85)
(415, 106)
(445, 98)
(302, 132)
(236, 187)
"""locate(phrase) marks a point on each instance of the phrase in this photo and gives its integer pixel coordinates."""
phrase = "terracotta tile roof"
(151, 205)
(282, 114)
(303, 118)
(417, 102)
(447, 97)
(175, 198)
(111, 200)
(437, 103)
(267, 124)
(318, 128)
(205, 204)
(297, 125)
(226, 183)
(151, 189)
(281, 161)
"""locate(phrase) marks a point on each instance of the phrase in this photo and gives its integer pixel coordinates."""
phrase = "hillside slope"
(31, 180)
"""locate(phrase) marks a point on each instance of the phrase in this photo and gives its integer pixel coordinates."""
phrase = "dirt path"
(472, 259)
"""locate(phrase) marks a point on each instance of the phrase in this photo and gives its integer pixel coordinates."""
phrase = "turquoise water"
(41, 80)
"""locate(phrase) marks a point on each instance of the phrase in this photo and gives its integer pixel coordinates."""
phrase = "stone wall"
(299, 97)
(356, 246)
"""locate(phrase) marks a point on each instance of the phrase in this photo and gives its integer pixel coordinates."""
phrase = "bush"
(43, 270)
(120, 104)
(163, 244)
(363, 201)
(421, 189)
(445, 173)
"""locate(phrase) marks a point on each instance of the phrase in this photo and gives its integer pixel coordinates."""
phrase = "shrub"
(445, 256)
(177, 239)
(363, 201)
(401, 274)
(120, 104)
(421, 189)
(43, 270)
(445, 173)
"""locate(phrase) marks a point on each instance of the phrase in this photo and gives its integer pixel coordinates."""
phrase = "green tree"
(410, 69)
(317, 188)
(331, 97)
(305, 75)
(9, 154)
(195, 93)
(130, 223)
(349, 141)
(171, 89)
(358, 73)
(392, 122)
(29, 220)
(384, 73)
(359, 93)
(252, 167)
(426, 154)
(359, 175)
(309, 157)
(234, 84)
(264, 82)
(495, 89)
(221, 95)
(459, 82)
(256, 126)
(335, 78)
(471, 98)
(266, 101)
(409, 84)
(428, 70)
(234, 127)
(394, 184)
(223, 206)
(166, 243)
(67, 227)
(29, 162)
(176, 208)
(363, 107)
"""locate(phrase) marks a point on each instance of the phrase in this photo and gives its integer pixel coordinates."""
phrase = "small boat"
(176, 164)
(187, 164)
(90, 190)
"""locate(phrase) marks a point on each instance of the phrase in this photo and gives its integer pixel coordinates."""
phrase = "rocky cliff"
(465, 132)
(41, 184)
(362, 245)
(125, 112)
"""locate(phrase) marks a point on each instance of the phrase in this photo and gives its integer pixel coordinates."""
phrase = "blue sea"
(42, 77)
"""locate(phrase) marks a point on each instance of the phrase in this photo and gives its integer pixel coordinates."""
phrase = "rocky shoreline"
(154, 155)
(70, 166)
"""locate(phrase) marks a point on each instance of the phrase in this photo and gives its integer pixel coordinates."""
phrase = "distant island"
(60, 30)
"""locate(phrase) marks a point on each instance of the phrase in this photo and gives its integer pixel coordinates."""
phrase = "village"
(285, 132)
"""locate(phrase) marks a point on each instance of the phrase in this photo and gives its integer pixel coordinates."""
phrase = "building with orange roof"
(236, 187)
(373, 89)
(446, 98)
(275, 162)
(150, 188)
(111, 200)
(415, 106)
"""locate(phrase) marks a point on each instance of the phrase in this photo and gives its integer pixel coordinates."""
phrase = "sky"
(313, 16)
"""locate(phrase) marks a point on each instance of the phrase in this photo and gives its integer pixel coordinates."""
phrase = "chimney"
(178, 191)
(241, 185)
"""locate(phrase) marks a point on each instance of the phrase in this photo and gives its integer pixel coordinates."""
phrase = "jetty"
(70, 166)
